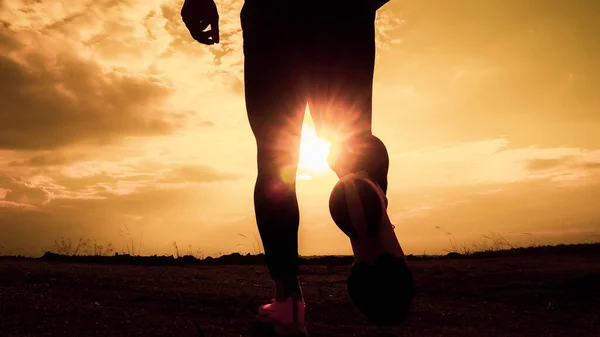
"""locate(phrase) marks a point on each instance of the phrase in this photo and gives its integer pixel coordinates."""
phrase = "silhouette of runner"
(299, 52)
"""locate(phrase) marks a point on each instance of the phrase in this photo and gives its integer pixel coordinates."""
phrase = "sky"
(116, 126)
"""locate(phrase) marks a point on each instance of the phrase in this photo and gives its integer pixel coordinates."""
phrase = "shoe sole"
(358, 208)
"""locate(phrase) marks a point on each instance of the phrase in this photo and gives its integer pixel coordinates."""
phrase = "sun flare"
(313, 151)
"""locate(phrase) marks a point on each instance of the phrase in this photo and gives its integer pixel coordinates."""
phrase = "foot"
(286, 317)
(380, 282)
(359, 208)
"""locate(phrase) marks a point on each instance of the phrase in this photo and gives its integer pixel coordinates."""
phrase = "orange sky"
(112, 116)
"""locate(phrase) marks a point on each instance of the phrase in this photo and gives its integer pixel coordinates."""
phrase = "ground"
(552, 292)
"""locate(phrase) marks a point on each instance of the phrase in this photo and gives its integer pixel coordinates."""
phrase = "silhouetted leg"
(341, 89)
(275, 111)
(380, 283)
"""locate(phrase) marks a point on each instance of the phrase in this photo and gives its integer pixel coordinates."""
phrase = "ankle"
(286, 287)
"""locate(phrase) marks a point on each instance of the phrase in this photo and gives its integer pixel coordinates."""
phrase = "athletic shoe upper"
(286, 317)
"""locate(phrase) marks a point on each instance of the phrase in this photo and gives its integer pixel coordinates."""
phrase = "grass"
(88, 247)
(83, 246)
(257, 247)
(491, 242)
(130, 245)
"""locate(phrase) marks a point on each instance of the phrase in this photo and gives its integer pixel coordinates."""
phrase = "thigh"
(341, 66)
(275, 102)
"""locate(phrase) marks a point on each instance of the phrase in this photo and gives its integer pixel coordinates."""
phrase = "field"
(545, 291)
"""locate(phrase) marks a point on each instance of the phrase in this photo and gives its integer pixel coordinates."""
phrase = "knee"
(275, 181)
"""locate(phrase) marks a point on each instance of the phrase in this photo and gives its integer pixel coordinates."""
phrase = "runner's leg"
(341, 89)
(275, 111)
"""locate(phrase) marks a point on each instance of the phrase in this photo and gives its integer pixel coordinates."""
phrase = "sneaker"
(286, 317)
(359, 208)
(380, 281)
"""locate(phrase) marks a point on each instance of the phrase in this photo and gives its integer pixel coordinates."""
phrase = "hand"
(197, 16)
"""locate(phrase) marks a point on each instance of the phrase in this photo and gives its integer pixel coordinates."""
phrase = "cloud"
(551, 214)
(583, 165)
(196, 174)
(591, 165)
(159, 216)
(87, 180)
(54, 99)
(7, 206)
(48, 159)
(522, 70)
(546, 164)
(492, 161)
(17, 192)
(103, 180)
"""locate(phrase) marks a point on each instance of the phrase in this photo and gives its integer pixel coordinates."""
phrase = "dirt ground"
(519, 295)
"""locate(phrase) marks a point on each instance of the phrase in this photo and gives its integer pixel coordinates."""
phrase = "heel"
(356, 207)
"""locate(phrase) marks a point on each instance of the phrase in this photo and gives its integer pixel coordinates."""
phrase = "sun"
(313, 151)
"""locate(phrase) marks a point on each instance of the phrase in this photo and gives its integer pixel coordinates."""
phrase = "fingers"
(202, 25)
(214, 29)
(204, 37)
(214, 22)
(208, 37)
